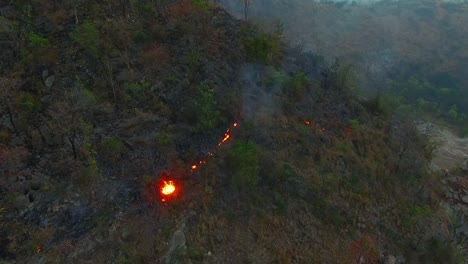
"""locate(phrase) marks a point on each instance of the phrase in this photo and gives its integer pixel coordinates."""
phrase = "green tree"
(243, 160)
(453, 112)
(264, 48)
(87, 36)
(207, 114)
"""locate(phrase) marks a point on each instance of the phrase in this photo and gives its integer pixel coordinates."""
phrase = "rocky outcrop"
(455, 204)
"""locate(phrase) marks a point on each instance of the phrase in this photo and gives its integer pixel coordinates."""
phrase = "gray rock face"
(49, 81)
(390, 260)
(177, 243)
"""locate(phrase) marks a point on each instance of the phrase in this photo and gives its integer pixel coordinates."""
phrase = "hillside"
(413, 52)
(171, 132)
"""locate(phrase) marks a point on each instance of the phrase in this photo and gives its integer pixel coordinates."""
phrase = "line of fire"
(168, 188)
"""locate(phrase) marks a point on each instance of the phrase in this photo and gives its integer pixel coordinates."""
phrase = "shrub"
(155, 57)
(195, 60)
(263, 48)
(114, 144)
(58, 17)
(276, 78)
(297, 85)
(37, 41)
(243, 160)
(135, 90)
(90, 97)
(343, 146)
(354, 123)
(164, 138)
(5, 136)
(28, 103)
(87, 36)
(114, 147)
(363, 250)
(437, 251)
(201, 5)
(208, 117)
(287, 172)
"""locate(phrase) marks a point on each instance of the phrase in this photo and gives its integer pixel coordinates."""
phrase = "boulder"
(33, 196)
(36, 183)
(464, 166)
(49, 81)
(391, 260)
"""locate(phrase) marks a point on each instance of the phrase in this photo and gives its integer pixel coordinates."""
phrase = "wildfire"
(227, 136)
(349, 129)
(315, 124)
(168, 188)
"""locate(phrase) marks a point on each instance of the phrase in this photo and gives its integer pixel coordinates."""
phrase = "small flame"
(38, 249)
(226, 137)
(168, 188)
(307, 122)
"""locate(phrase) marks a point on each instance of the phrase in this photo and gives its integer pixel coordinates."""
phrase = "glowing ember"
(226, 137)
(307, 122)
(38, 249)
(168, 188)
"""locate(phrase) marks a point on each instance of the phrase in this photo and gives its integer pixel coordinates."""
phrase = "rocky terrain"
(451, 150)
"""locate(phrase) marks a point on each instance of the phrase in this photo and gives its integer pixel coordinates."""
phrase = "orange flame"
(226, 137)
(307, 122)
(168, 188)
(38, 249)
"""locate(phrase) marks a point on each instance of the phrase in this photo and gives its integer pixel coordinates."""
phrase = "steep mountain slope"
(272, 157)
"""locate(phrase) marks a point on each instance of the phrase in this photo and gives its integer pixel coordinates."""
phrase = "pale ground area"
(452, 150)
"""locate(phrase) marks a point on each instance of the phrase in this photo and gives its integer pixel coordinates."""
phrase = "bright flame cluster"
(168, 188)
